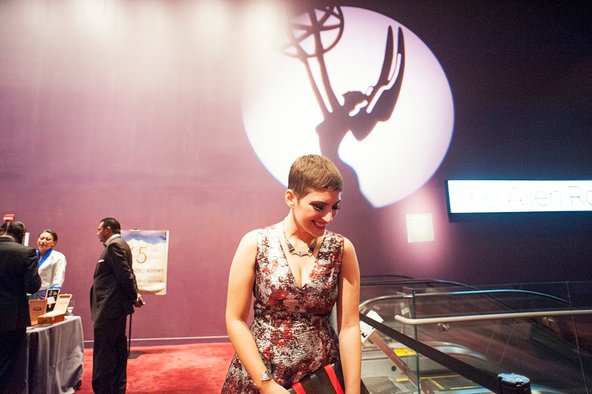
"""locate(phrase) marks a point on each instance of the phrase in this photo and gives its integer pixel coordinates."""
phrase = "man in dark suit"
(18, 276)
(112, 297)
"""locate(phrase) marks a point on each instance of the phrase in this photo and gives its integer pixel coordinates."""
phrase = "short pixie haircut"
(314, 172)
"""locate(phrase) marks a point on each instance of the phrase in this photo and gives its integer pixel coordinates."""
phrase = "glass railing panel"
(580, 294)
(460, 303)
(577, 294)
(531, 347)
(376, 286)
(382, 375)
(388, 366)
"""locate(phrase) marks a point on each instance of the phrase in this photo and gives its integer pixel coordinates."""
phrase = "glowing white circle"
(280, 112)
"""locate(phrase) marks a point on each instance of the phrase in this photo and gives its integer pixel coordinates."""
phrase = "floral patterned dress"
(291, 324)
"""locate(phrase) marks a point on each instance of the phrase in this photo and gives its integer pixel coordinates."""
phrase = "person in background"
(297, 271)
(113, 295)
(18, 276)
(52, 264)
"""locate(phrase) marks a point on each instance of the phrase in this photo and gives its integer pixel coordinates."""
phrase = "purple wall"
(127, 109)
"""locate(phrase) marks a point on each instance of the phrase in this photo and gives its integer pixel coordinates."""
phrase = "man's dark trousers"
(110, 357)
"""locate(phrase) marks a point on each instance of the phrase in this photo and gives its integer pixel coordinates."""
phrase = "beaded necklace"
(299, 253)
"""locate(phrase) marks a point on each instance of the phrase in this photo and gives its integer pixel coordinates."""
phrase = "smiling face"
(45, 242)
(313, 211)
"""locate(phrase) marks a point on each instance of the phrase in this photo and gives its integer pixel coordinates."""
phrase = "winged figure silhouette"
(360, 112)
(365, 110)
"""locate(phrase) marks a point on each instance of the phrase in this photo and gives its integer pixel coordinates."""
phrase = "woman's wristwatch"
(266, 376)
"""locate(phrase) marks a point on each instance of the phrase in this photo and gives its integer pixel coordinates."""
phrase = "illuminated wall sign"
(472, 196)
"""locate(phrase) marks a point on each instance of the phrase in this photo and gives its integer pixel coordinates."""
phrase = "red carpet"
(195, 368)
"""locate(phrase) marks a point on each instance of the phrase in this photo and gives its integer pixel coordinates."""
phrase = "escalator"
(442, 336)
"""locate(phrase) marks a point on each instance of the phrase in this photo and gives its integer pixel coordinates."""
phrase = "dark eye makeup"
(320, 206)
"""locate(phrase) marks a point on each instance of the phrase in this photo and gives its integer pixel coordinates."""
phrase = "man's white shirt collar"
(111, 238)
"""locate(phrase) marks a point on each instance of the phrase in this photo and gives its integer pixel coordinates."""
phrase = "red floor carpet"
(195, 368)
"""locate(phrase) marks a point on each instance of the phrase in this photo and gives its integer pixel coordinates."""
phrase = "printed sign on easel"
(150, 258)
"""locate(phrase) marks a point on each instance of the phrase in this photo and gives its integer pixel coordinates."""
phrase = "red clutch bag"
(327, 380)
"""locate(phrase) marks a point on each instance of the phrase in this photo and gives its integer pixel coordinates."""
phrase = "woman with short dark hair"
(296, 271)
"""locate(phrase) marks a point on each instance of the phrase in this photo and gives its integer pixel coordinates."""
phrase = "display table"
(52, 358)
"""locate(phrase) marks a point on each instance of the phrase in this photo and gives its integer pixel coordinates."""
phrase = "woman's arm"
(350, 343)
(59, 270)
(238, 302)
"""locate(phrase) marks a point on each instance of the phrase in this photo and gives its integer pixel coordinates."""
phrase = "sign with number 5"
(150, 258)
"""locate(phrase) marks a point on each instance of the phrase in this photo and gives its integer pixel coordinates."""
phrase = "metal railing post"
(511, 383)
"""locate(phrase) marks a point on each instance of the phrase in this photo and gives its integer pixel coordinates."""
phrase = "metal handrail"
(493, 291)
(464, 293)
(382, 280)
(489, 316)
(382, 298)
